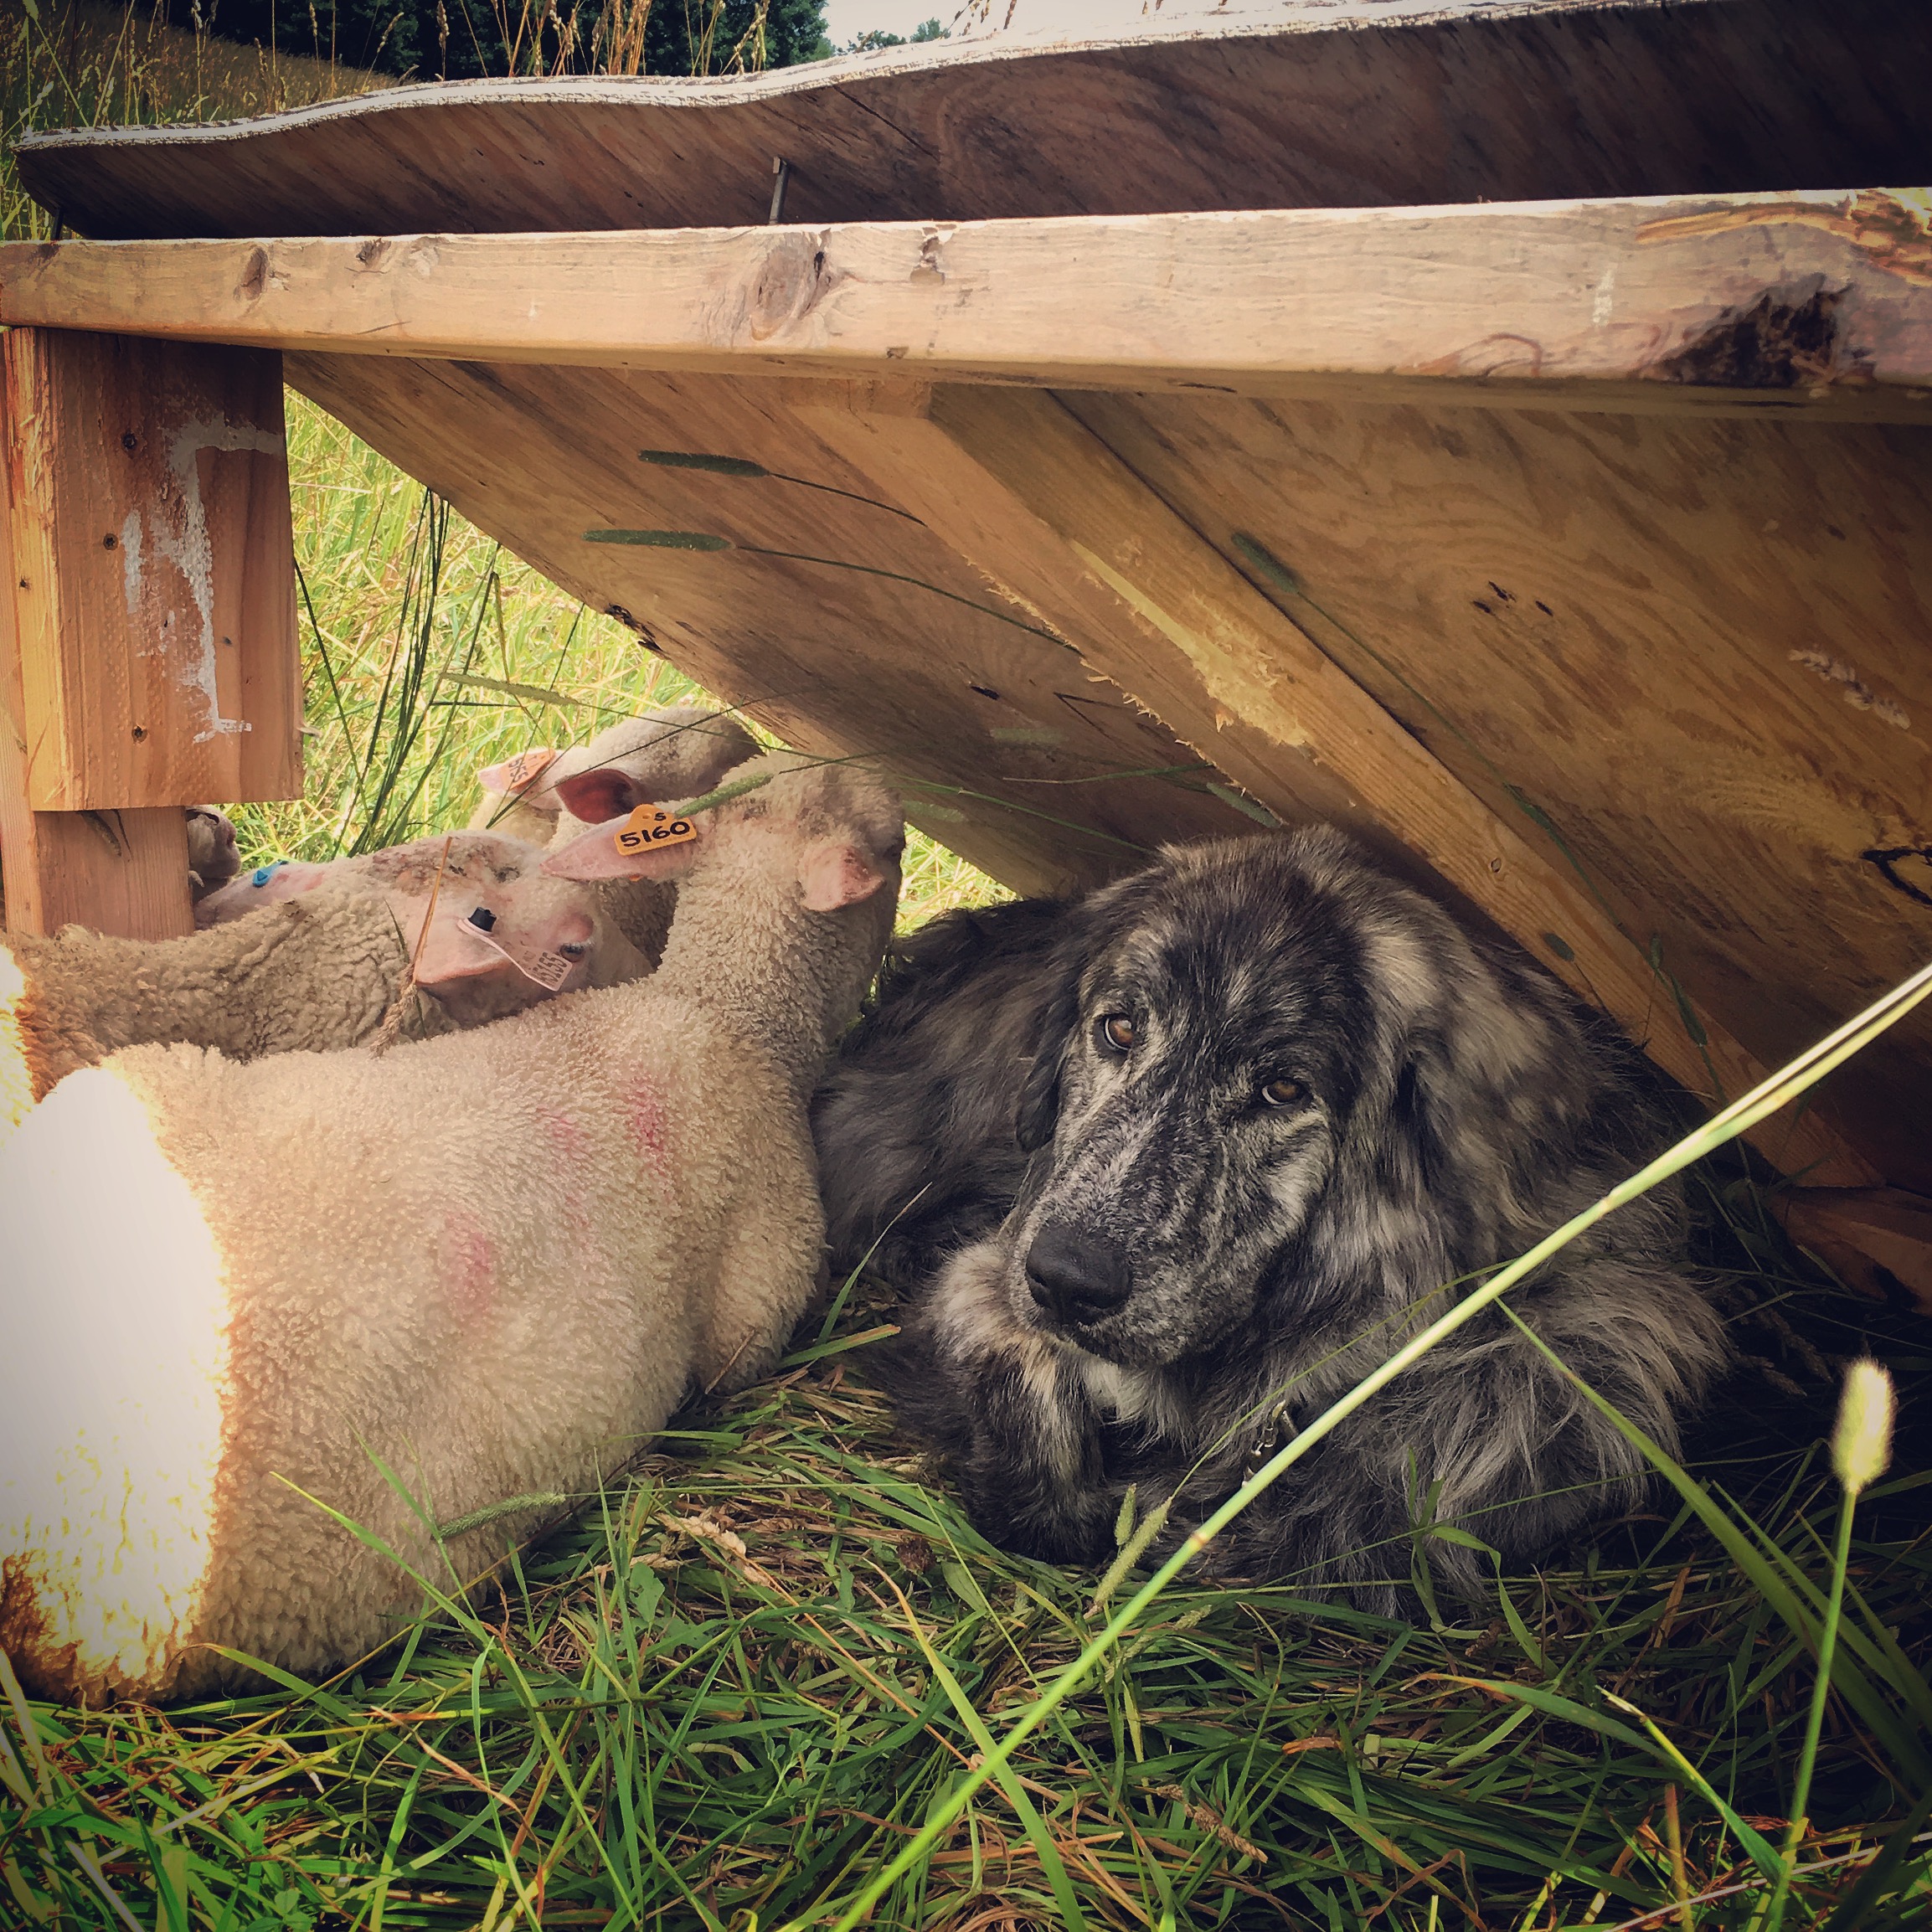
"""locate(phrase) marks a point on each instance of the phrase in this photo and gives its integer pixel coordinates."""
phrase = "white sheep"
(317, 971)
(677, 752)
(493, 1263)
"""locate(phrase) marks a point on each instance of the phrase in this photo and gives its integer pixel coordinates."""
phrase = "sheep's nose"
(1076, 1275)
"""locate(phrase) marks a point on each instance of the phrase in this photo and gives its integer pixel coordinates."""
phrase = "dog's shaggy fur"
(1221, 1135)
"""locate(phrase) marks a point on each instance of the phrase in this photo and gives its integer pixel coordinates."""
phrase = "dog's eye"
(1283, 1093)
(1117, 1031)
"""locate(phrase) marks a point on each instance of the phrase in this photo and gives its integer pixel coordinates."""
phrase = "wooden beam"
(1046, 509)
(153, 585)
(1858, 1231)
(1820, 303)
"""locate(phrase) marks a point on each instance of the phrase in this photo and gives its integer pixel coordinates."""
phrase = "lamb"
(411, 869)
(317, 971)
(491, 1263)
(677, 752)
(213, 858)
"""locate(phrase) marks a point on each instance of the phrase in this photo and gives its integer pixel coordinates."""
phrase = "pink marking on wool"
(469, 1265)
(565, 1133)
(645, 1112)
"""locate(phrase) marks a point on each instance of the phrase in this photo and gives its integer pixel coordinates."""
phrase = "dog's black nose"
(1075, 1275)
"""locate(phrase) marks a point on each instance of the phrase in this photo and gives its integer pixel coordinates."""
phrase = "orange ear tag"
(649, 827)
(525, 767)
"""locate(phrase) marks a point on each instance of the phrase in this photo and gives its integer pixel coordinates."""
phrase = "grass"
(721, 1699)
(428, 651)
(761, 1658)
(80, 64)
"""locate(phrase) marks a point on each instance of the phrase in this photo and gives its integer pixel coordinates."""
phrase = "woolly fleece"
(495, 1261)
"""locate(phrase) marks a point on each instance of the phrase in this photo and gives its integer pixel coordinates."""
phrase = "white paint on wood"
(188, 547)
(131, 560)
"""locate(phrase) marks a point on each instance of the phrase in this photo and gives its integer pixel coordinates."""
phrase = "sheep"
(317, 971)
(213, 858)
(677, 752)
(519, 800)
(490, 1264)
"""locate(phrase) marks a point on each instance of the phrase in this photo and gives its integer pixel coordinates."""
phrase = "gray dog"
(1167, 1168)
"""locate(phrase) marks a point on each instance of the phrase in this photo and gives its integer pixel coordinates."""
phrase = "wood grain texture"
(838, 621)
(1019, 485)
(1820, 302)
(153, 587)
(1401, 101)
(1859, 1232)
(1698, 654)
(124, 873)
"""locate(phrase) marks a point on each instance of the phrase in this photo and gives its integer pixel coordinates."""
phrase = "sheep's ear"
(834, 874)
(1040, 1095)
(518, 774)
(446, 956)
(596, 854)
(599, 795)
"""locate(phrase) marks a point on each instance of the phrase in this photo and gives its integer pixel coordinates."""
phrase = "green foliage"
(461, 39)
(875, 37)
(743, 1676)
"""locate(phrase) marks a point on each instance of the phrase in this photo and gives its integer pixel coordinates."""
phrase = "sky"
(846, 19)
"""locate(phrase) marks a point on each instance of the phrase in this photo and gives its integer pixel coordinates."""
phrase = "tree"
(462, 39)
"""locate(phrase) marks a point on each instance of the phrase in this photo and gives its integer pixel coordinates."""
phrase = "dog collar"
(1277, 1425)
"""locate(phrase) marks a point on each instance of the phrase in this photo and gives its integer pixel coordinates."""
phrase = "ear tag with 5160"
(649, 827)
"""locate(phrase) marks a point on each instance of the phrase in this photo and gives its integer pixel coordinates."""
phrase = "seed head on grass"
(1862, 1443)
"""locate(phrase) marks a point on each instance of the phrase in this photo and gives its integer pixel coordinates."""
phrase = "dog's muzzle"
(1076, 1277)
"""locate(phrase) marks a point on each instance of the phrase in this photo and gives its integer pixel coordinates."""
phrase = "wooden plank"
(1820, 303)
(837, 621)
(153, 586)
(1699, 653)
(1304, 104)
(124, 873)
(1019, 485)
(1853, 1228)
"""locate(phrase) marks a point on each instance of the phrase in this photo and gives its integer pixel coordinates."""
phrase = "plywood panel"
(153, 582)
(840, 621)
(1700, 655)
(1317, 104)
(1017, 483)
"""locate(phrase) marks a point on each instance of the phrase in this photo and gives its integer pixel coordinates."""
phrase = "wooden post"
(148, 651)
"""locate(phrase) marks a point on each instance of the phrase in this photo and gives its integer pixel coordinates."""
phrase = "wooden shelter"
(1504, 430)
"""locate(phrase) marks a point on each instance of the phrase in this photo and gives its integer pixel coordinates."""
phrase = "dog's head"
(1250, 1039)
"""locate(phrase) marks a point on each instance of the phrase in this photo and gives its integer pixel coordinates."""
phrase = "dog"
(1166, 1168)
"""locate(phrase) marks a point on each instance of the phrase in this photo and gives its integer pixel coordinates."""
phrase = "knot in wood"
(789, 280)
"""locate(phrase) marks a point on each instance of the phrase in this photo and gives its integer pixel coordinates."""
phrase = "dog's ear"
(1040, 1095)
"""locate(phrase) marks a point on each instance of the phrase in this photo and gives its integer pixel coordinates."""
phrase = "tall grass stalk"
(1861, 1447)
(1770, 1096)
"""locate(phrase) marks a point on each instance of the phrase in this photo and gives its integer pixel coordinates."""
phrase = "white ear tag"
(549, 970)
